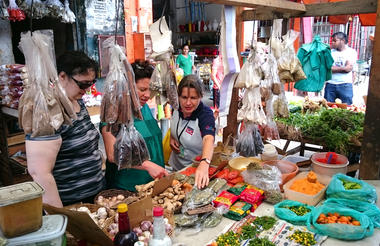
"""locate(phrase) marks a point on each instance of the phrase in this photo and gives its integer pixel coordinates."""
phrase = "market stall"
(204, 237)
(242, 204)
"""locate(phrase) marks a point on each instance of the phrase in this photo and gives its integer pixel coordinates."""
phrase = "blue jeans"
(342, 91)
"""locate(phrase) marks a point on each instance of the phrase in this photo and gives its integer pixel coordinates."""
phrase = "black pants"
(216, 97)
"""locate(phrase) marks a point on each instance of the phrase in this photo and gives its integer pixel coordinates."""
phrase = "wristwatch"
(205, 160)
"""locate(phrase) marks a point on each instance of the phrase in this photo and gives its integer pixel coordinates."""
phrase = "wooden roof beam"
(317, 9)
(282, 6)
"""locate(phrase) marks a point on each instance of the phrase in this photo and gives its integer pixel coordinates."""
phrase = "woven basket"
(129, 196)
(93, 208)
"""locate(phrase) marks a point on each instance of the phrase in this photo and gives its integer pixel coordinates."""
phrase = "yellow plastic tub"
(20, 208)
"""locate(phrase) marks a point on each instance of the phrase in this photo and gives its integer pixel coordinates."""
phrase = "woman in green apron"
(155, 167)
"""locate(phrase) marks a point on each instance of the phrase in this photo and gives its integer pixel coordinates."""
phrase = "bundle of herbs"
(337, 129)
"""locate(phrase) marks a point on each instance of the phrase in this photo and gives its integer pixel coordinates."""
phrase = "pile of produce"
(349, 185)
(12, 79)
(105, 218)
(145, 230)
(308, 185)
(249, 230)
(335, 128)
(113, 200)
(298, 210)
(337, 218)
(260, 242)
(303, 238)
(171, 198)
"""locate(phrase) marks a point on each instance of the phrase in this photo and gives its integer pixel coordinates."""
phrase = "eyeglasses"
(82, 85)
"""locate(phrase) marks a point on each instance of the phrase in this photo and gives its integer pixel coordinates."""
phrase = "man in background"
(340, 85)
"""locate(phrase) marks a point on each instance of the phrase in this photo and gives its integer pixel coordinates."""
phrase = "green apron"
(126, 179)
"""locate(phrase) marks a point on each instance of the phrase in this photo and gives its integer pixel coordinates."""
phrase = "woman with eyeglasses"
(192, 130)
(68, 164)
(155, 167)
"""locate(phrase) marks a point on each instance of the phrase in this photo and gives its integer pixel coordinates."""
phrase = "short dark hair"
(183, 46)
(340, 35)
(76, 62)
(142, 69)
(191, 81)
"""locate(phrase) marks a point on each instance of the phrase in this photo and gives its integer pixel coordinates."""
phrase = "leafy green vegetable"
(348, 185)
(336, 128)
(261, 242)
(248, 231)
(266, 222)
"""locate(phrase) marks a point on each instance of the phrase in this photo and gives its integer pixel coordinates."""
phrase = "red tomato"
(188, 171)
(239, 179)
(211, 170)
(233, 174)
(222, 174)
(198, 158)
(334, 106)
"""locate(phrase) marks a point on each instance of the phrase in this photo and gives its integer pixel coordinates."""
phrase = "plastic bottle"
(125, 236)
(159, 237)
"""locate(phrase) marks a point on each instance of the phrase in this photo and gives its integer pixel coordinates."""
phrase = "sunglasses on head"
(84, 85)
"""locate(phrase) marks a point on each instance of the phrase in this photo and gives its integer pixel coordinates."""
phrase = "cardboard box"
(81, 226)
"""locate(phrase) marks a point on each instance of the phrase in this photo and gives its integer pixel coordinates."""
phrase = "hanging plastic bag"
(39, 8)
(276, 39)
(44, 106)
(336, 189)
(130, 148)
(250, 74)
(282, 210)
(120, 101)
(269, 130)
(252, 110)
(371, 210)
(171, 89)
(289, 66)
(280, 104)
(55, 8)
(249, 142)
(15, 13)
(68, 16)
(161, 37)
(340, 231)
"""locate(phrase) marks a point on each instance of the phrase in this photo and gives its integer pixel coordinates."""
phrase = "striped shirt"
(77, 169)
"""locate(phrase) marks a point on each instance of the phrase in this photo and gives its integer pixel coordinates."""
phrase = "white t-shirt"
(340, 58)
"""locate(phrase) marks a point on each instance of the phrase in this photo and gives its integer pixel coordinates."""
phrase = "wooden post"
(232, 124)
(370, 152)
(6, 176)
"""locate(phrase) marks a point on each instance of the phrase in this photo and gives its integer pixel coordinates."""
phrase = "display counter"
(195, 237)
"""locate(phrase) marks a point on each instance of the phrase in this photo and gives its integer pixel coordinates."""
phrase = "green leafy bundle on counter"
(336, 128)
(261, 242)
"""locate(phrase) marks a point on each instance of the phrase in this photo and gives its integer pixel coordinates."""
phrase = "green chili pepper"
(348, 185)
(298, 210)
(303, 238)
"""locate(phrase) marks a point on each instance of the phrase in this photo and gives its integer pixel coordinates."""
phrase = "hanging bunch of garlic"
(251, 78)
